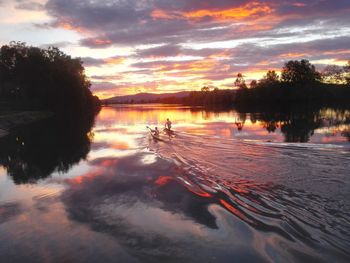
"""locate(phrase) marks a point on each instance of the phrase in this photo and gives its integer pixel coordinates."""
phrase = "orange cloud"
(115, 61)
(337, 52)
(100, 41)
(236, 13)
(69, 26)
(161, 14)
(193, 66)
(293, 55)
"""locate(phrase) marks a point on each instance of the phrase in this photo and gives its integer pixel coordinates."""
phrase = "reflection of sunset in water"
(126, 123)
(226, 186)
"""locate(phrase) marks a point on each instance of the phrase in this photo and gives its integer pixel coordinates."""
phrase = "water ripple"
(298, 192)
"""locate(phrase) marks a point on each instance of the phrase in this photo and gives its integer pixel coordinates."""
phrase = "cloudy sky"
(131, 46)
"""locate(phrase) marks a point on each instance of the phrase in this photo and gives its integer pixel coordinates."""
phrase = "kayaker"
(155, 132)
(168, 124)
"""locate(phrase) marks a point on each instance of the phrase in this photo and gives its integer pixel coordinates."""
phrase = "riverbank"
(12, 119)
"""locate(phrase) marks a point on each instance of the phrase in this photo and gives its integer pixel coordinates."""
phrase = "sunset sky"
(131, 46)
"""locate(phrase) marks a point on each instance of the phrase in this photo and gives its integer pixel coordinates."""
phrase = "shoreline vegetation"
(45, 81)
(299, 85)
(12, 120)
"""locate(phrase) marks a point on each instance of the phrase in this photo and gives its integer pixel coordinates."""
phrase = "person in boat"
(239, 125)
(155, 132)
(168, 124)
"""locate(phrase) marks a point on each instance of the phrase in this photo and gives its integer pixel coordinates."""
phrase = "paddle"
(149, 129)
(153, 135)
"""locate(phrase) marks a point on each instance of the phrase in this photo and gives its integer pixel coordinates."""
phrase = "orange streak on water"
(233, 210)
(83, 178)
(163, 180)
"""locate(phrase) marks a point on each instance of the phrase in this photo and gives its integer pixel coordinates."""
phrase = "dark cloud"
(151, 33)
(314, 49)
(29, 5)
(267, 34)
(131, 22)
(163, 65)
(248, 56)
(162, 51)
(312, 7)
(105, 86)
(95, 62)
(124, 22)
(95, 14)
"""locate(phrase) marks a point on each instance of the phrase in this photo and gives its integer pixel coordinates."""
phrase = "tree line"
(299, 82)
(45, 79)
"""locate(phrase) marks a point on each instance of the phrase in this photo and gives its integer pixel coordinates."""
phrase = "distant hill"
(144, 97)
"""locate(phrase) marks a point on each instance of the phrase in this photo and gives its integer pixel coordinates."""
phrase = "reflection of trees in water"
(299, 126)
(36, 151)
(271, 126)
(296, 126)
(346, 134)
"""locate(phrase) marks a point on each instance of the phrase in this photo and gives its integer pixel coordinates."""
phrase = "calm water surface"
(227, 187)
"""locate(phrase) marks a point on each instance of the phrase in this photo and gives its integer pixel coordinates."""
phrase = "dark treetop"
(45, 79)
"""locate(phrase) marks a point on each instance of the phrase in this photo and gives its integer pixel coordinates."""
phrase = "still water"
(226, 187)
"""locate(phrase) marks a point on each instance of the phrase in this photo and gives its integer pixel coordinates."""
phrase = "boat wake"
(298, 192)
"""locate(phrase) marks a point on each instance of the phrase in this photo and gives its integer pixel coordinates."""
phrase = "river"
(225, 187)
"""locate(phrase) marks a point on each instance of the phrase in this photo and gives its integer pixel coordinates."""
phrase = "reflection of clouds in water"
(2, 171)
(148, 159)
(156, 211)
(109, 153)
(152, 219)
(8, 211)
(43, 233)
(215, 205)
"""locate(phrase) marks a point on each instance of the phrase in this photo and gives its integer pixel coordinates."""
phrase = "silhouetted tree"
(271, 78)
(240, 82)
(47, 78)
(333, 74)
(253, 84)
(347, 73)
(300, 72)
(205, 89)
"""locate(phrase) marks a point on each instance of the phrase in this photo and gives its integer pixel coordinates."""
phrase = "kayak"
(156, 137)
(169, 132)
